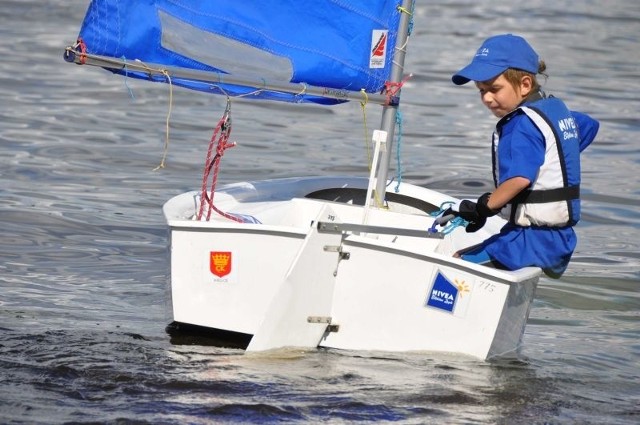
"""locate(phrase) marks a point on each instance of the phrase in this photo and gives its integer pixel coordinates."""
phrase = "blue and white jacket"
(553, 198)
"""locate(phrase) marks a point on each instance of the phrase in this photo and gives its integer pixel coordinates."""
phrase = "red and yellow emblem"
(220, 263)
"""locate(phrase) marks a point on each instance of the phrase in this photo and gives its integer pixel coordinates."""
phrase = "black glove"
(475, 213)
(483, 208)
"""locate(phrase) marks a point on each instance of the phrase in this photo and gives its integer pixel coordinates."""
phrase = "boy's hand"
(475, 213)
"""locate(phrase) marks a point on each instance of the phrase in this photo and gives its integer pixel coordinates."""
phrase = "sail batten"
(336, 45)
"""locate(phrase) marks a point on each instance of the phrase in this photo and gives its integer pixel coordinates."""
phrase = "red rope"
(391, 89)
(220, 140)
(83, 50)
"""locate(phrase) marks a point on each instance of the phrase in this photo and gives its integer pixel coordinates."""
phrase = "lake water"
(83, 246)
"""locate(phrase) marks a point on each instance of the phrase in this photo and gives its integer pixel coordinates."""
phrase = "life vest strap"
(545, 196)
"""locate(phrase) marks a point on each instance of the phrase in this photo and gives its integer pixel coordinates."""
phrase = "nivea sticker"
(443, 294)
(450, 295)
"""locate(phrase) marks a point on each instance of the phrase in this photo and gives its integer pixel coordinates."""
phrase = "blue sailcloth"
(338, 45)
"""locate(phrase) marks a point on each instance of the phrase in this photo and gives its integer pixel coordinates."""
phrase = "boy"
(536, 161)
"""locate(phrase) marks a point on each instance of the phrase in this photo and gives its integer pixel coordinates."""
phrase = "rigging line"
(166, 140)
(363, 105)
(411, 13)
(393, 88)
(300, 96)
(208, 166)
(221, 137)
(254, 92)
(304, 90)
(409, 29)
(167, 75)
(399, 121)
(397, 64)
(402, 48)
(449, 226)
(251, 93)
(80, 44)
(126, 78)
(301, 93)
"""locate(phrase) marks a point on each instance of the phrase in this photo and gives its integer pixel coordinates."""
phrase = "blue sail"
(336, 45)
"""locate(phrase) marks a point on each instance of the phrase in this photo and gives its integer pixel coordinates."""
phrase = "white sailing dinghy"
(329, 261)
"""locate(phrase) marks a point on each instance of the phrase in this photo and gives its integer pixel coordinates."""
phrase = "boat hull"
(289, 281)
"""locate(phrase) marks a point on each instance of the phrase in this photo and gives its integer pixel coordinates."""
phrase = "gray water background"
(83, 243)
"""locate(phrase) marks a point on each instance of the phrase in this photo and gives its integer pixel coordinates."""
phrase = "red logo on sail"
(220, 263)
(379, 39)
(380, 46)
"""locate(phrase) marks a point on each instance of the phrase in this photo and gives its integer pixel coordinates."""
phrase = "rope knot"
(82, 47)
(391, 89)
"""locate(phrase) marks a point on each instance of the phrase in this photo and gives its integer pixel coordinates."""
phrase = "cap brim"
(476, 71)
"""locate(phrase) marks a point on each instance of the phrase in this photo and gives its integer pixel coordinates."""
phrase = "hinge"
(337, 248)
(324, 319)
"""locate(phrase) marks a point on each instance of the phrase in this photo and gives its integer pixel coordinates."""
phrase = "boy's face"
(500, 96)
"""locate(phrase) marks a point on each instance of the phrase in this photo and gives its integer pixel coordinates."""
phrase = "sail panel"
(178, 36)
(335, 44)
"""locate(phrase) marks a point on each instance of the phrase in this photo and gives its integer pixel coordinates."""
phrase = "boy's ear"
(526, 85)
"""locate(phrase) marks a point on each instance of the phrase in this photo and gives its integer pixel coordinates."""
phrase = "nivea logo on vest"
(568, 127)
(449, 295)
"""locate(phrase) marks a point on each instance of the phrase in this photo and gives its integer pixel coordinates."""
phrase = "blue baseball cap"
(496, 55)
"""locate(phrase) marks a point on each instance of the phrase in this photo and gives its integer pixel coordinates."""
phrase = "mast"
(388, 121)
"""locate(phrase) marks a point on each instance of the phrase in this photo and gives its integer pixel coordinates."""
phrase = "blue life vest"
(553, 198)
